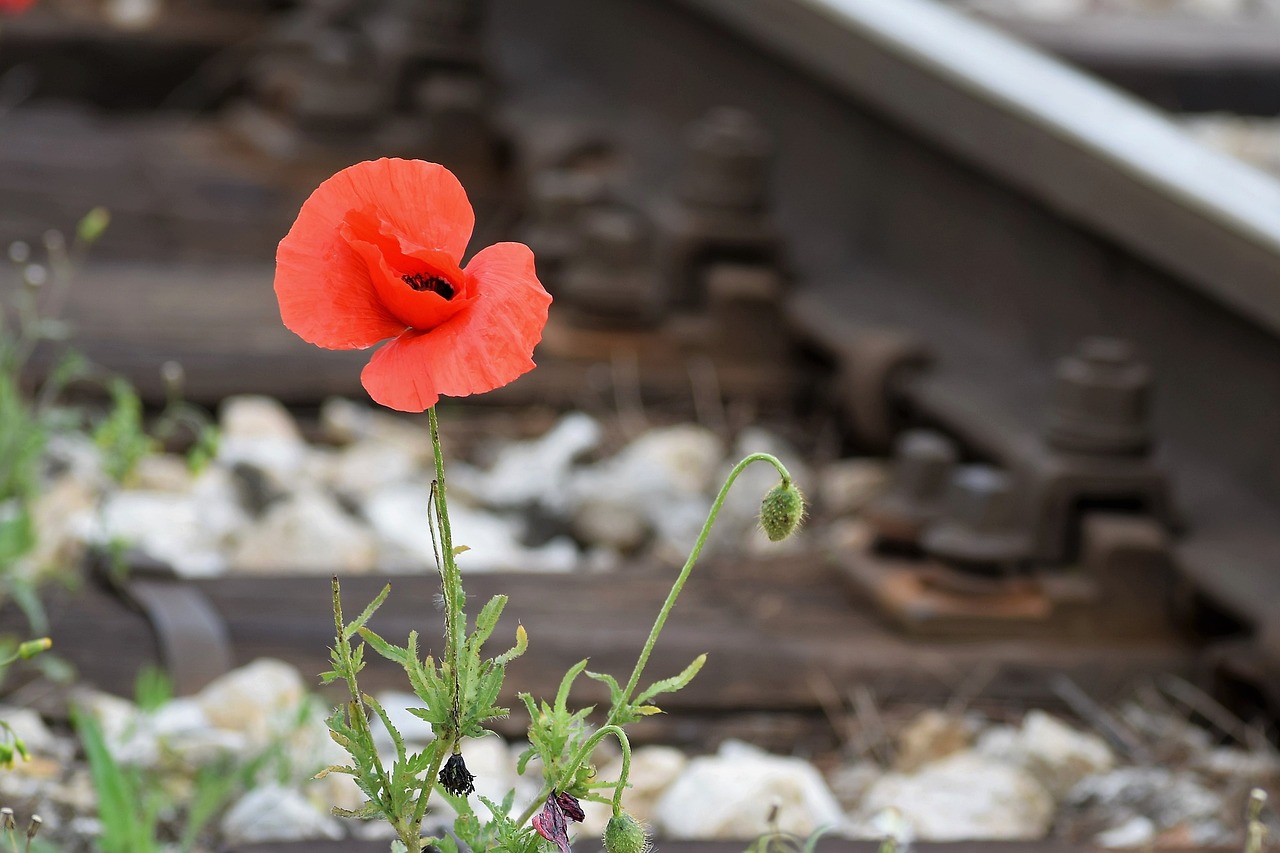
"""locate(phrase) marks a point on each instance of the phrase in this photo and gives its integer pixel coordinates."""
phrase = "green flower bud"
(625, 834)
(781, 511)
(31, 648)
(90, 228)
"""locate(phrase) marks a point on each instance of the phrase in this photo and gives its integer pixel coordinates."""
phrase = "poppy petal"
(477, 350)
(325, 295)
(420, 201)
(323, 285)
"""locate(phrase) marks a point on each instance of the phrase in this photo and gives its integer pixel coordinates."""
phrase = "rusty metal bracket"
(1125, 567)
(194, 644)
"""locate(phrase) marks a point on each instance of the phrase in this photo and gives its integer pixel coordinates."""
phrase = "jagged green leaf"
(676, 682)
(368, 612)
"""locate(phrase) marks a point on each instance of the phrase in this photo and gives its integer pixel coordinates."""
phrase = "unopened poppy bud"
(625, 834)
(455, 777)
(781, 511)
(90, 228)
(31, 648)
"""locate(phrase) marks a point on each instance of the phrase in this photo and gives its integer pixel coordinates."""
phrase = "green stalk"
(658, 624)
(450, 577)
(676, 588)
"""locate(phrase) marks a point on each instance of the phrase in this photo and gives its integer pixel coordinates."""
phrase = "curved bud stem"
(670, 603)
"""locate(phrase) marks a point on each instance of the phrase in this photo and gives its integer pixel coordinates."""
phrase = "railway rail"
(972, 255)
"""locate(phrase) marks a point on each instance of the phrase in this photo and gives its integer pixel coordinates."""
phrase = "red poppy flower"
(374, 255)
(15, 7)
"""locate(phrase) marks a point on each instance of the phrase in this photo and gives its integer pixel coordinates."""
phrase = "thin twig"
(1103, 721)
(625, 367)
(708, 402)
(1193, 699)
(875, 740)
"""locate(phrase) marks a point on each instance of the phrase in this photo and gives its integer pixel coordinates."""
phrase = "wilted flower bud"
(625, 834)
(455, 777)
(781, 511)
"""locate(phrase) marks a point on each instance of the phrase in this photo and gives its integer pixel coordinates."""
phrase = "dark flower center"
(434, 283)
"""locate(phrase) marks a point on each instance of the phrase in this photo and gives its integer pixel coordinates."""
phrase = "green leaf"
(486, 621)
(566, 683)
(387, 650)
(676, 682)
(521, 646)
(368, 612)
(615, 690)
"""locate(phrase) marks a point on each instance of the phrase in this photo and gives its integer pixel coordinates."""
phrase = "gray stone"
(846, 486)
(275, 813)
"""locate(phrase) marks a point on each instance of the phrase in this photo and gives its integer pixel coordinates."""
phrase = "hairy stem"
(611, 723)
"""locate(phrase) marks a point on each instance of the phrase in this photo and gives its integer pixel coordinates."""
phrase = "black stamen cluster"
(455, 777)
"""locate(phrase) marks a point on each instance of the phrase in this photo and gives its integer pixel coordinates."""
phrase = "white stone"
(259, 431)
(162, 472)
(730, 795)
(345, 421)
(308, 532)
(258, 700)
(964, 796)
(653, 770)
(364, 468)
(217, 504)
(133, 14)
(846, 486)
(399, 516)
(74, 454)
(29, 726)
(413, 729)
(166, 526)
(275, 813)
(489, 760)
(1056, 754)
(127, 739)
(535, 471)
(661, 479)
(1041, 9)
(610, 524)
(1136, 832)
(929, 736)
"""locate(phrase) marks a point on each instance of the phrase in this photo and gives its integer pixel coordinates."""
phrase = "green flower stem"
(429, 785)
(583, 753)
(450, 576)
(658, 624)
(684, 575)
(356, 707)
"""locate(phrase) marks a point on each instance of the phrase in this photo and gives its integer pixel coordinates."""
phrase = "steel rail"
(1088, 150)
